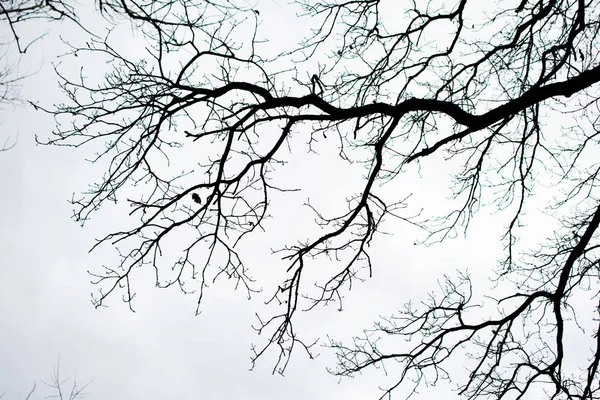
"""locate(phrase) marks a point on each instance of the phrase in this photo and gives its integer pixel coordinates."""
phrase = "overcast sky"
(162, 350)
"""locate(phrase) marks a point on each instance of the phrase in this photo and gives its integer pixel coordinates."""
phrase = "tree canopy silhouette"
(505, 94)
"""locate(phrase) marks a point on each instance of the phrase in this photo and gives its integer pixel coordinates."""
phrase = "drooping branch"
(393, 94)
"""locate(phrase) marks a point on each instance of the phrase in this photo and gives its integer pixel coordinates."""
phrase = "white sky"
(162, 350)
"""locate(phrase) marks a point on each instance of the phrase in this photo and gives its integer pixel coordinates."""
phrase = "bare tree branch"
(193, 131)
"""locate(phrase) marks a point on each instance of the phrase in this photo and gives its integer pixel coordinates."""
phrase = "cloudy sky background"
(162, 350)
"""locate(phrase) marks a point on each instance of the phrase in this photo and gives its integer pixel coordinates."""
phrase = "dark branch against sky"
(193, 126)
